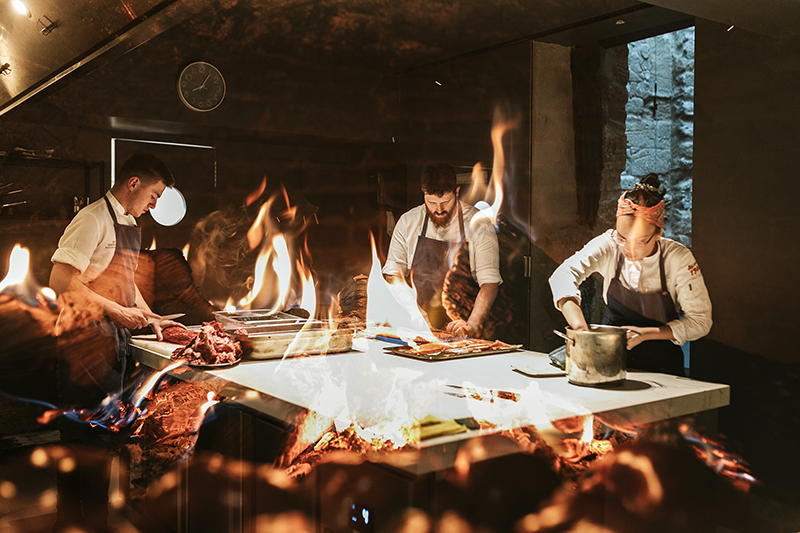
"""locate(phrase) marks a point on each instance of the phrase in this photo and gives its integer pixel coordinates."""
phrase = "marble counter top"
(371, 387)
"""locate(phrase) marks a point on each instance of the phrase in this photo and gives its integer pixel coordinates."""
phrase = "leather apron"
(627, 307)
(93, 358)
(430, 266)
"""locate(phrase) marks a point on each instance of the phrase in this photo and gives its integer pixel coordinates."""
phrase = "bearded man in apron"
(426, 241)
(93, 272)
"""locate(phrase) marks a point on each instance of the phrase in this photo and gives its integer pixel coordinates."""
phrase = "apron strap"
(461, 220)
(110, 211)
(664, 290)
(425, 224)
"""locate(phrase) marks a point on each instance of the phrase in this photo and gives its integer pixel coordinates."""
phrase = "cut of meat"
(211, 346)
(177, 335)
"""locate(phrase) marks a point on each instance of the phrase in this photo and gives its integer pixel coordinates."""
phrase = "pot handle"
(563, 336)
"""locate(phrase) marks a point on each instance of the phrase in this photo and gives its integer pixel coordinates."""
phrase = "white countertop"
(369, 386)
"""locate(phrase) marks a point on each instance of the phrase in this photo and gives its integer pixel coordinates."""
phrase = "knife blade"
(165, 317)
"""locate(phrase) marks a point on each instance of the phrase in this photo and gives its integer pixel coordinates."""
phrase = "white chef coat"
(89, 242)
(684, 280)
(484, 258)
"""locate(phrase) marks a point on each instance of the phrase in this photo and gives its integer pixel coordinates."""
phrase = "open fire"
(160, 417)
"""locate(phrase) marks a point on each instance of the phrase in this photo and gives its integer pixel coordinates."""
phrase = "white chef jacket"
(89, 242)
(684, 280)
(484, 258)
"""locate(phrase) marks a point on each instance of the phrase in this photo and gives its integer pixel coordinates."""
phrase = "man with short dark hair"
(93, 272)
(426, 241)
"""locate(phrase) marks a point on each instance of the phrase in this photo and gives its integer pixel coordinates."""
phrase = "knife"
(166, 317)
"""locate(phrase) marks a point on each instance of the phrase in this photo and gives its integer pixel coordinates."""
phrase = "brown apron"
(91, 366)
(93, 353)
(432, 261)
(627, 307)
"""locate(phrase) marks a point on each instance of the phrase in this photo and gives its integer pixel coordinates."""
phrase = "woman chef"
(652, 285)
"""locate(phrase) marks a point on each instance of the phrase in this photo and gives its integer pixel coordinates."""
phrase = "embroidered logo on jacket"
(693, 269)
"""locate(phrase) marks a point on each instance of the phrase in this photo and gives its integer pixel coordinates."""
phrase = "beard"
(442, 219)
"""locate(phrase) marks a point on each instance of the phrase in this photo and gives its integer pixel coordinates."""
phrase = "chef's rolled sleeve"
(78, 243)
(485, 254)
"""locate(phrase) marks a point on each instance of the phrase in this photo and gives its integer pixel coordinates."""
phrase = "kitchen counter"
(372, 387)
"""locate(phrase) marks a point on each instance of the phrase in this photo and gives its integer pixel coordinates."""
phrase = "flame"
(19, 281)
(494, 192)
(394, 304)
(256, 194)
(185, 251)
(18, 263)
(279, 257)
(201, 411)
(144, 390)
(229, 307)
(153, 244)
(256, 232)
(309, 291)
(588, 430)
(283, 269)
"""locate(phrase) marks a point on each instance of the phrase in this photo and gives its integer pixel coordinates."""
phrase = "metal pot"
(596, 357)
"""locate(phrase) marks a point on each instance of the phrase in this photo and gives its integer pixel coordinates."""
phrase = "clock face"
(201, 86)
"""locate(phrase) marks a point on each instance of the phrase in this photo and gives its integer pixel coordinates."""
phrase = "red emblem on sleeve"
(693, 269)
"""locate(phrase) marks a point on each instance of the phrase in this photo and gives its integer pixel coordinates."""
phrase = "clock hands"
(202, 85)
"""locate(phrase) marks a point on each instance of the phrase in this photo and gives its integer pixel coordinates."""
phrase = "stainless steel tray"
(274, 341)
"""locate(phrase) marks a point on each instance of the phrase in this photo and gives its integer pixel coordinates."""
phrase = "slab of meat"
(211, 346)
(177, 335)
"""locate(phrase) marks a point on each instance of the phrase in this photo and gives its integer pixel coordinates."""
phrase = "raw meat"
(177, 335)
(211, 346)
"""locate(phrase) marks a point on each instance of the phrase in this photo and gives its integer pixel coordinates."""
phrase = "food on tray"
(463, 346)
(177, 335)
(211, 346)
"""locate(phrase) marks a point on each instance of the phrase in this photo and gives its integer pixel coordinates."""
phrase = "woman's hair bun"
(652, 180)
(647, 192)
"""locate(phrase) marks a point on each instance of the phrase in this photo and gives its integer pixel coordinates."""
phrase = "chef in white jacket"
(652, 285)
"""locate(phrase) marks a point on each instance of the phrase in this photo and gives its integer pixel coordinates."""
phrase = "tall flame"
(293, 284)
(18, 263)
(495, 189)
(394, 304)
(19, 281)
(309, 297)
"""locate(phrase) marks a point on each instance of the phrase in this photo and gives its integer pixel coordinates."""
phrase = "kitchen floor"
(28, 496)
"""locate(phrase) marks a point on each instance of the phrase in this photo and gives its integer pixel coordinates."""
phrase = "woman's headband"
(654, 215)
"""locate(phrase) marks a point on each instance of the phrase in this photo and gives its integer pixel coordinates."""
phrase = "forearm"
(572, 312)
(655, 333)
(483, 304)
(64, 278)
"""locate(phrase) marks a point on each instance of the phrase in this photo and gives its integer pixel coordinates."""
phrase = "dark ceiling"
(384, 35)
(387, 36)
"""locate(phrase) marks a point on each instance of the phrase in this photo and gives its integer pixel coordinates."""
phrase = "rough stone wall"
(615, 75)
(660, 123)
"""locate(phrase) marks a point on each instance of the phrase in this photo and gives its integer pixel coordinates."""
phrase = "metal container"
(266, 335)
(597, 357)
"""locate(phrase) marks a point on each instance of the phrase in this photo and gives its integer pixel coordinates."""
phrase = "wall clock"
(201, 86)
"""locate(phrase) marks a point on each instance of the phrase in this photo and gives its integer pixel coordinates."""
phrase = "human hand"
(130, 317)
(160, 325)
(460, 328)
(636, 336)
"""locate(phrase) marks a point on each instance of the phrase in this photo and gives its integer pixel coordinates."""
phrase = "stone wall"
(660, 122)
